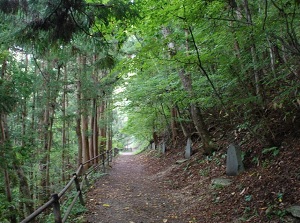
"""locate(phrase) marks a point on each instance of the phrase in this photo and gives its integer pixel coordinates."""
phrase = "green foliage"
(248, 198)
(7, 96)
(216, 158)
(141, 150)
(204, 172)
(274, 211)
(273, 150)
(244, 73)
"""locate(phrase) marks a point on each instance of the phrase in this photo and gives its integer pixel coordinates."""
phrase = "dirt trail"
(130, 194)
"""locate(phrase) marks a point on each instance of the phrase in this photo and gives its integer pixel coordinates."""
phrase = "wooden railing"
(78, 179)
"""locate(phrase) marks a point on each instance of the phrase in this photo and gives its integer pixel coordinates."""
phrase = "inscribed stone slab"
(163, 147)
(188, 149)
(234, 164)
(153, 145)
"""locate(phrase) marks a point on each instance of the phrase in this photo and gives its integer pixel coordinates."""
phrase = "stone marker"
(153, 145)
(221, 182)
(181, 161)
(188, 149)
(116, 151)
(234, 164)
(294, 210)
(163, 147)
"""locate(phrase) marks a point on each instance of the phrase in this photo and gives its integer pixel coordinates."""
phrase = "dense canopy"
(81, 77)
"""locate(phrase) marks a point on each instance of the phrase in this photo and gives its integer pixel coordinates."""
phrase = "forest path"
(131, 194)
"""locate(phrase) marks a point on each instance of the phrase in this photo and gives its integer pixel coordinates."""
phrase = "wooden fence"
(78, 179)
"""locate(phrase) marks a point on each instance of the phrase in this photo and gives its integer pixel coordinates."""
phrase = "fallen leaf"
(243, 191)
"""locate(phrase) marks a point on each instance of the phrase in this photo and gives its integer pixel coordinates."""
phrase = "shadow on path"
(130, 194)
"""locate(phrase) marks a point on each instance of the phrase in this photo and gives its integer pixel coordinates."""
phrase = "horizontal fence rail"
(78, 179)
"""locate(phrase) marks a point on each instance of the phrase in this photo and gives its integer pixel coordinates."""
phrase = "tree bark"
(197, 117)
(174, 125)
(85, 137)
(109, 127)
(102, 126)
(78, 124)
(256, 71)
(51, 86)
(25, 191)
(4, 141)
(186, 80)
(64, 130)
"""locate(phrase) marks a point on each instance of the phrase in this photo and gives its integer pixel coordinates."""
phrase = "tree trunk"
(197, 117)
(109, 127)
(25, 191)
(186, 80)
(255, 59)
(102, 126)
(174, 125)
(64, 130)
(85, 137)
(78, 125)
(51, 86)
(4, 141)
(12, 211)
(95, 131)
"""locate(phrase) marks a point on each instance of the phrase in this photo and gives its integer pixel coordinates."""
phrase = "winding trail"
(131, 194)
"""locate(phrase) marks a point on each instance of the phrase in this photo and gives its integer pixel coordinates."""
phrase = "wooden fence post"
(56, 209)
(78, 189)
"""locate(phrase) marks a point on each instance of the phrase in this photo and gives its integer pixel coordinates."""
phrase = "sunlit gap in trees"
(128, 142)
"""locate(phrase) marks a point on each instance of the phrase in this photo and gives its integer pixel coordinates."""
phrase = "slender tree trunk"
(32, 142)
(199, 63)
(52, 87)
(85, 137)
(186, 80)
(26, 205)
(102, 126)
(174, 125)
(197, 117)
(186, 131)
(4, 141)
(256, 71)
(25, 191)
(94, 125)
(78, 125)
(109, 127)
(12, 211)
(85, 101)
(64, 130)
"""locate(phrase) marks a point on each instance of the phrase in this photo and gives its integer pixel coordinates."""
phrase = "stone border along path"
(128, 194)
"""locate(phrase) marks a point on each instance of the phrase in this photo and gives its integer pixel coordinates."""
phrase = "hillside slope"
(270, 184)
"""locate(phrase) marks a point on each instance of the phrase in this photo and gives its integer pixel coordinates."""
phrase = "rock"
(234, 164)
(181, 161)
(294, 210)
(163, 148)
(153, 145)
(221, 182)
(188, 149)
